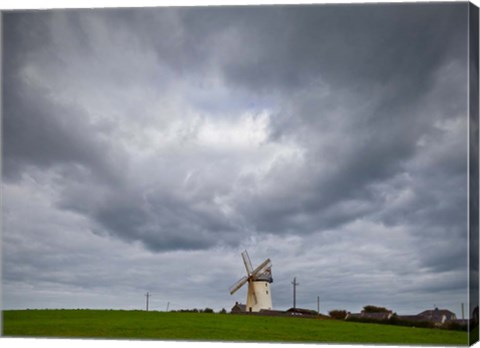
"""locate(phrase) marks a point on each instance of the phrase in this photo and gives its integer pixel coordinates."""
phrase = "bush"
(338, 314)
(223, 311)
(186, 310)
(394, 320)
(208, 310)
(452, 325)
(374, 309)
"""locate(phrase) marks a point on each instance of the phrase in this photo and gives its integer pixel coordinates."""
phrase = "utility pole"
(318, 305)
(463, 312)
(168, 306)
(295, 292)
(147, 295)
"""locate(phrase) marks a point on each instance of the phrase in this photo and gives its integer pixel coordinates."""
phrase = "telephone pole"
(147, 295)
(294, 283)
(318, 304)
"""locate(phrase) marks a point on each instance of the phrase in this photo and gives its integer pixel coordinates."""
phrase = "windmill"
(258, 279)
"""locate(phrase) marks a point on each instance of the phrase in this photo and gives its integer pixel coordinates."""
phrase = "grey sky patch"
(331, 139)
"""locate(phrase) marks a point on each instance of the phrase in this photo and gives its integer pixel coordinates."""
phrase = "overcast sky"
(144, 149)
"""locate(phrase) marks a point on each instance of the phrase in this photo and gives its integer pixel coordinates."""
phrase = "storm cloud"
(163, 141)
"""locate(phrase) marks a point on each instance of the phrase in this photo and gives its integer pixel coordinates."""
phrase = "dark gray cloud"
(184, 133)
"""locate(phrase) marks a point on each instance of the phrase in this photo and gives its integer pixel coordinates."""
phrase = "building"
(239, 308)
(302, 312)
(411, 318)
(383, 315)
(438, 316)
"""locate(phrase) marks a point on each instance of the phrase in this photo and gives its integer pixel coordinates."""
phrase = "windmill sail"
(238, 285)
(247, 262)
(265, 264)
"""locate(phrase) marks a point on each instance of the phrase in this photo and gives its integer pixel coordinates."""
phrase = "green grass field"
(212, 327)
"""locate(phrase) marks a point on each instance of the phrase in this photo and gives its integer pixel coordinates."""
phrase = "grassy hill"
(212, 327)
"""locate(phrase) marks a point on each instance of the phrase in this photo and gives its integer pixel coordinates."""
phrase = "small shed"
(239, 308)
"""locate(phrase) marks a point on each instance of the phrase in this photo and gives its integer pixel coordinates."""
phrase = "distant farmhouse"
(436, 316)
(439, 316)
(371, 312)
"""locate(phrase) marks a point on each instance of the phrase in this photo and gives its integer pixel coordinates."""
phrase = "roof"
(265, 276)
(436, 310)
(411, 317)
(438, 315)
(353, 315)
(371, 315)
(302, 311)
(377, 315)
(239, 307)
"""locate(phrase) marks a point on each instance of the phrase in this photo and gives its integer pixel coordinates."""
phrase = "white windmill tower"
(258, 279)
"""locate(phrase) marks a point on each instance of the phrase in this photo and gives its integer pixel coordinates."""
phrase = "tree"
(338, 314)
(374, 309)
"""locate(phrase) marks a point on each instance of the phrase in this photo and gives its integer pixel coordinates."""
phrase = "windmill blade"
(238, 285)
(254, 296)
(251, 291)
(247, 262)
(265, 264)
